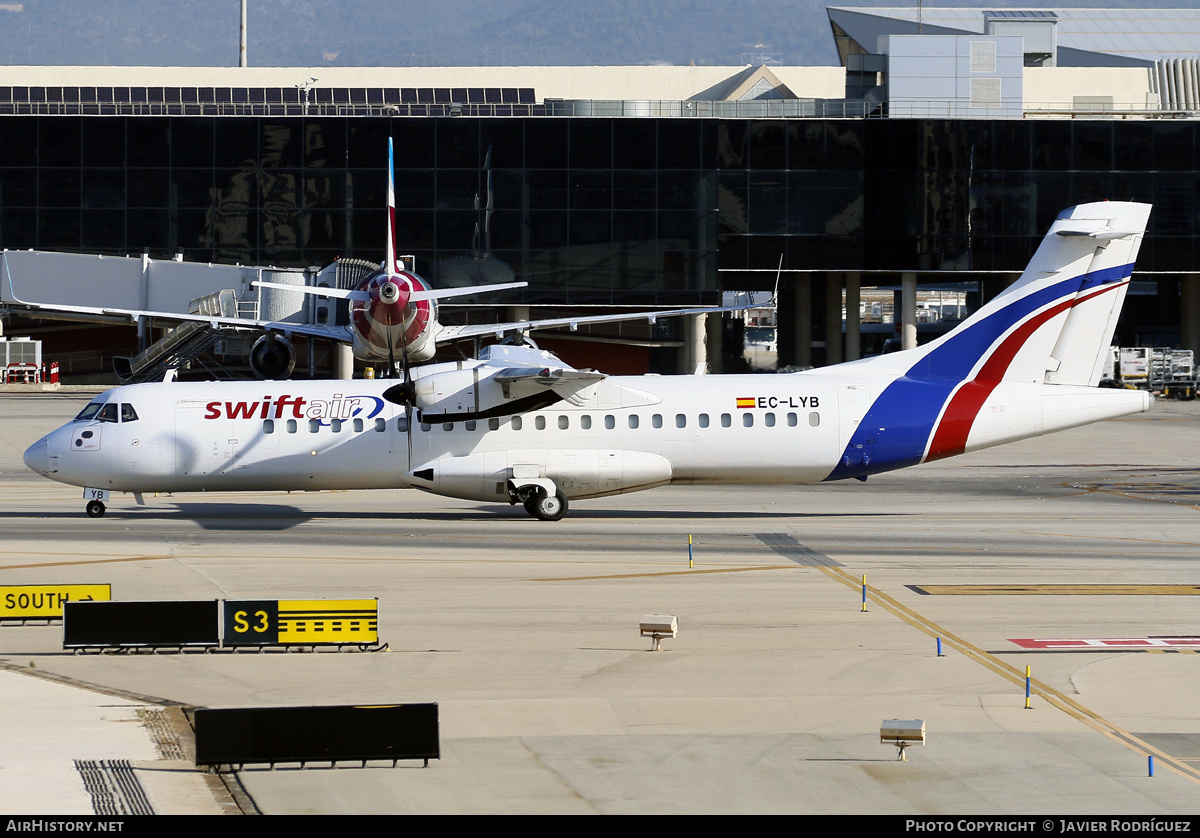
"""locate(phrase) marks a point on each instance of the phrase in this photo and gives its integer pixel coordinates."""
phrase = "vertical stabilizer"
(1078, 354)
(389, 263)
(1049, 327)
(1059, 315)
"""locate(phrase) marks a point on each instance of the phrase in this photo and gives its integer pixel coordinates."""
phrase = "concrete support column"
(693, 353)
(833, 319)
(802, 321)
(343, 361)
(908, 310)
(1189, 312)
(714, 350)
(853, 317)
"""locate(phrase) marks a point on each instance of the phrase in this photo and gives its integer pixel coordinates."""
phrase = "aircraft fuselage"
(621, 435)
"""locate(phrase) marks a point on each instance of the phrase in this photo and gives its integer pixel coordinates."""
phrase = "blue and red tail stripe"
(897, 429)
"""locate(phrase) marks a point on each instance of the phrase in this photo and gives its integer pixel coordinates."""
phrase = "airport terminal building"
(936, 156)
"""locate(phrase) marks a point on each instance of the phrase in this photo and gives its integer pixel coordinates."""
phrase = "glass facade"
(591, 210)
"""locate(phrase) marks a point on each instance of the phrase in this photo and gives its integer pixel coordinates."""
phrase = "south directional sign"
(45, 602)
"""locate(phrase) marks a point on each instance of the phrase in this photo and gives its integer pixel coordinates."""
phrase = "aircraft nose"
(37, 456)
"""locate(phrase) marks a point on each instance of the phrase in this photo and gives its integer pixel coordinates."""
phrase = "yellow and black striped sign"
(301, 621)
(329, 621)
(43, 602)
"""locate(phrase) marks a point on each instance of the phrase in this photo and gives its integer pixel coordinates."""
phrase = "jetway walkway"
(146, 292)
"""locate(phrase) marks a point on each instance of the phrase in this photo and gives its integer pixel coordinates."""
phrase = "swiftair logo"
(296, 407)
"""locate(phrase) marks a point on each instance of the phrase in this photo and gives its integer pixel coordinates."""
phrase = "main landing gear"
(95, 509)
(540, 497)
(546, 507)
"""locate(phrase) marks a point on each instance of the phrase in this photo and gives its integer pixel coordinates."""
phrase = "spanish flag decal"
(745, 403)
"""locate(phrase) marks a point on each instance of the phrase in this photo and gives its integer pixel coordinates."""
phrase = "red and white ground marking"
(1110, 643)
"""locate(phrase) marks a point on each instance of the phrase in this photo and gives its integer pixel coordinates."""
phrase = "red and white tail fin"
(389, 263)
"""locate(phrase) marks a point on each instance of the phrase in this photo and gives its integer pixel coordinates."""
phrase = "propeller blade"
(410, 398)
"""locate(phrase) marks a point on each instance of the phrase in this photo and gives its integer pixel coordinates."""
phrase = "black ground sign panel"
(315, 734)
(99, 624)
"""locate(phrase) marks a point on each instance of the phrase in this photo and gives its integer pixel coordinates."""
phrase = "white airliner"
(517, 425)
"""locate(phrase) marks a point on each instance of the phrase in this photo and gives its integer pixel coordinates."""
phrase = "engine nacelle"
(460, 394)
(490, 388)
(272, 357)
(579, 474)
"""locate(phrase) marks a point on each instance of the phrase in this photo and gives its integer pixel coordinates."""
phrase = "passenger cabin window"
(656, 420)
(610, 421)
(539, 422)
(314, 425)
(726, 420)
(814, 419)
(563, 423)
(769, 420)
(380, 425)
(470, 424)
(402, 424)
(516, 423)
(335, 425)
(291, 426)
(358, 426)
(268, 426)
(128, 414)
(633, 421)
(748, 420)
(703, 420)
(585, 421)
(493, 424)
(680, 420)
(792, 420)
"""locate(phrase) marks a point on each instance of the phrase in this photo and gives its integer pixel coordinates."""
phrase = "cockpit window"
(89, 412)
(108, 413)
(128, 414)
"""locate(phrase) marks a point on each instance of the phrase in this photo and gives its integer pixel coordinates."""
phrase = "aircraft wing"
(499, 330)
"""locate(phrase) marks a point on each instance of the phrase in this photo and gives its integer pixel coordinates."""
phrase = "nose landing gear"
(95, 501)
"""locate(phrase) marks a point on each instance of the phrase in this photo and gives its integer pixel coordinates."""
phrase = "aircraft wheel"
(95, 509)
(547, 507)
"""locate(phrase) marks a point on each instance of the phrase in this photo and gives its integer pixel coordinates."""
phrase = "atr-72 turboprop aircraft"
(518, 425)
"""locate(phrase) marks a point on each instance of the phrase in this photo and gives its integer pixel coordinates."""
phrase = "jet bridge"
(146, 292)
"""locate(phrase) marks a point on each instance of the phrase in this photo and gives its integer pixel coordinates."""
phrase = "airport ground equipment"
(270, 735)
(20, 360)
(1161, 369)
(902, 733)
(658, 626)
